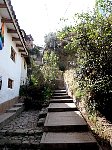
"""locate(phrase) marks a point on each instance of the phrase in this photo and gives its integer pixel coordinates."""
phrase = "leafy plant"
(39, 89)
(89, 44)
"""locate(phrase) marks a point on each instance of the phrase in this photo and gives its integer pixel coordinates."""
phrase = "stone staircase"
(20, 132)
(64, 127)
(10, 114)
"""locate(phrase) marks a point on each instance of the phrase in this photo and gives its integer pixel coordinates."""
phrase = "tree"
(90, 40)
(50, 67)
(50, 40)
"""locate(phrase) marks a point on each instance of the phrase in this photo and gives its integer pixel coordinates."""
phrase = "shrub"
(42, 82)
(62, 67)
(33, 96)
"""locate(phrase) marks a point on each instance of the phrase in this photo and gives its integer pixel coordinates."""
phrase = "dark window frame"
(24, 65)
(0, 82)
(13, 54)
(10, 83)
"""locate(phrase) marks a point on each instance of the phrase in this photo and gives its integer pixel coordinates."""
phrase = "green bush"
(62, 67)
(78, 94)
(34, 96)
(23, 91)
(47, 92)
(91, 42)
(42, 82)
(101, 96)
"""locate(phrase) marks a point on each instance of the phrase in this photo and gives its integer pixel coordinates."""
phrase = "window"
(10, 83)
(13, 54)
(0, 82)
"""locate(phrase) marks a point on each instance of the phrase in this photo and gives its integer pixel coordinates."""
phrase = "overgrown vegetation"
(88, 48)
(50, 67)
(85, 54)
(42, 82)
(90, 41)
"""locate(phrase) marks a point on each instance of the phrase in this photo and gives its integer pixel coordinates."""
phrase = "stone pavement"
(27, 120)
(22, 132)
(65, 128)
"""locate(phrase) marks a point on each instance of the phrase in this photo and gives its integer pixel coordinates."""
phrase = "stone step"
(10, 114)
(19, 105)
(21, 132)
(15, 109)
(6, 118)
(61, 100)
(20, 143)
(59, 91)
(65, 122)
(68, 141)
(61, 97)
(60, 107)
(56, 94)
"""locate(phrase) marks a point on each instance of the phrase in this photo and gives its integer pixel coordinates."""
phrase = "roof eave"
(15, 24)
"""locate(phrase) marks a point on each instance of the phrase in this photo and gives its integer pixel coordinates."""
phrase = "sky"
(39, 17)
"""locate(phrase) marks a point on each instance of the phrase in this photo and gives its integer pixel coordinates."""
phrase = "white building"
(13, 56)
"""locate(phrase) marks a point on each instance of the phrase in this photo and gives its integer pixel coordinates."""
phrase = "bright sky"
(39, 17)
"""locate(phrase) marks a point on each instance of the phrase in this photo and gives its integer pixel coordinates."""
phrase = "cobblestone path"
(21, 133)
(28, 119)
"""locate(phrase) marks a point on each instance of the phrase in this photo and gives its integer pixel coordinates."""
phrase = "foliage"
(51, 40)
(23, 91)
(61, 66)
(34, 98)
(90, 41)
(50, 67)
(37, 76)
(39, 89)
(47, 92)
(35, 51)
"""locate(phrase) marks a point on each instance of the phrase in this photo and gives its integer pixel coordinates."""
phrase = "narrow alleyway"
(65, 127)
(60, 126)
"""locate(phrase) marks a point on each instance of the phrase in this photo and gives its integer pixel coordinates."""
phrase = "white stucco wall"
(9, 69)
